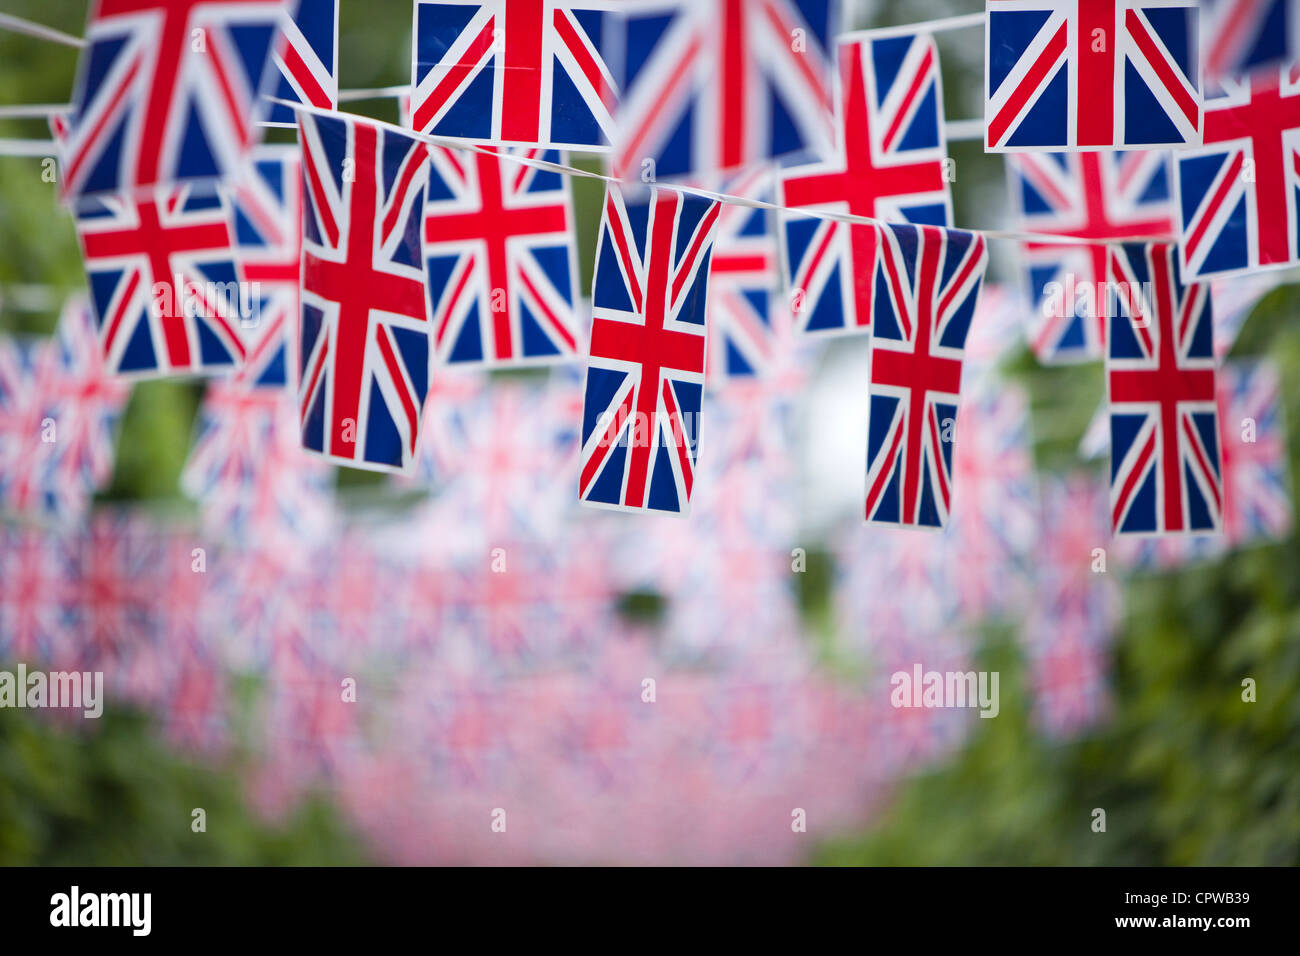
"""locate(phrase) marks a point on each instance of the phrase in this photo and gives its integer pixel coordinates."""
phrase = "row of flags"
(412, 255)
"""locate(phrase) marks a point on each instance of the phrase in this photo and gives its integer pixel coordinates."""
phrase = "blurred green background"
(1187, 772)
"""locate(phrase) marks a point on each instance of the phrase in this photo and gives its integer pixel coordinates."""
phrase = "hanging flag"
(927, 285)
(166, 92)
(645, 376)
(994, 521)
(1160, 377)
(164, 283)
(36, 566)
(1234, 300)
(1116, 195)
(1091, 74)
(527, 72)
(888, 163)
(1236, 195)
(306, 56)
(501, 258)
(266, 203)
(715, 85)
(746, 319)
(28, 446)
(86, 404)
(365, 315)
(1256, 483)
(247, 470)
(1241, 36)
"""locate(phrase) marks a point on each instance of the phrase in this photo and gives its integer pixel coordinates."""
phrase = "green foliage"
(108, 793)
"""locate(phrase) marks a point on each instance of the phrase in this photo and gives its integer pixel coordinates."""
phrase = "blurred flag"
(1164, 434)
(1256, 483)
(887, 163)
(1241, 36)
(364, 300)
(248, 473)
(61, 408)
(166, 93)
(995, 502)
(1235, 194)
(306, 56)
(1091, 74)
(1118, 195)
(645, 375)
(266, 204)
(501, 256)
(929, 281)
(710, 86)
(36, 602)
(746, 312)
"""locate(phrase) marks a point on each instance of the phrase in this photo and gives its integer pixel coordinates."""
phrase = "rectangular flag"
(166, 92)
(527, 72)
(713, 85)
(305, 58)
(1256, 483)
(1115, 195)
(1165, 473)
(364, 346)
(1241, 36)
(501, 258)
(927, 284)
(1091, 74)
(266, 205)
(747, 319)
(1236, 195)
(164, 281)
(888, 163)
(645, 376)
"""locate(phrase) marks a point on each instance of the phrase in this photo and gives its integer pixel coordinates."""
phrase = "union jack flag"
(60, 414)
(887, 164)
(246, 468)
(115, 559)
(164, 282)
(1256, 486)
(1091, 74)
(27, 447)
(1116, 195)
(927, 286)
(714, 85)
(1164, 432)
(501, 259)
(166, 92)
(1232, 222)
(266, 203)
(745, 312)
(995, 511)
(513, 71)
(1067, 674)
(36, 621)
(306, 56)
(645, 376)
(365, 315)
(1241, 36)
(87, 405)
(1234, 300)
